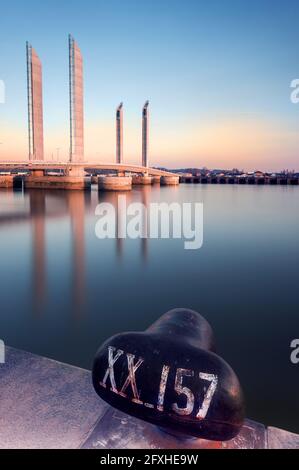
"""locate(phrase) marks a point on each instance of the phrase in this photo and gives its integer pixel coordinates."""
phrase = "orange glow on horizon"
(248, 142)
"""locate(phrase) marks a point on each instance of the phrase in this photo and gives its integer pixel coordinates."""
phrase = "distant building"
(35, 104)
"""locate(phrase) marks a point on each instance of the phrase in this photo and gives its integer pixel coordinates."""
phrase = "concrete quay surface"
(49, 405)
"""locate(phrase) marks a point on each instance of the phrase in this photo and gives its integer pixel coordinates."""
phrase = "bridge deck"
(26, 165)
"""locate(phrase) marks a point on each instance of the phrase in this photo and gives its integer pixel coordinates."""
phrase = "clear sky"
(217, 74)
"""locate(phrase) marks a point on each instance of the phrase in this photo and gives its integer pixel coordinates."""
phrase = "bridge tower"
(76, 102)
(119, 134)
(35, 104)
(145, 124)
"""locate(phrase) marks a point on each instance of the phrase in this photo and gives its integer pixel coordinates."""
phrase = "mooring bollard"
(170, 376)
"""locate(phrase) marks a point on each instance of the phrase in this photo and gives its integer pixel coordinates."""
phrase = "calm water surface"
(63, 291)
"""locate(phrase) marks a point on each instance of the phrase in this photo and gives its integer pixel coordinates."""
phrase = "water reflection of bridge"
(47, 206)
(75, 208)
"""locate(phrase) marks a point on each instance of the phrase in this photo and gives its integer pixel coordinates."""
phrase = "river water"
(64, 291)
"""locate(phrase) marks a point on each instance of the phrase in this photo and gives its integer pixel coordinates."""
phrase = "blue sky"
(217, 74)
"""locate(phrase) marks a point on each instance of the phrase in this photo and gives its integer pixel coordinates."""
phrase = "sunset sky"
(217, 74)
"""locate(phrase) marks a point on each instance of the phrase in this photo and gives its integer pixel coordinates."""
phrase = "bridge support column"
(170, 180)
(156, 179)
(37, 173)
(114, 183)
(74, 178)
(142, 179)
(6, 181)
(75, 171)
(94, 179)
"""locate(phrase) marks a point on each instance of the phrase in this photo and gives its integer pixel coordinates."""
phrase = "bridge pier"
(74, 178)
(156, 179)
(37, 173)
(142, 180)
(57, 182)
(94, 179)
(114, 183)
(170, 180)
(75, 171)
(6, 181)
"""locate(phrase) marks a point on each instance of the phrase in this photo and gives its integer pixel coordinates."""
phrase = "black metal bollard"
(170, 376)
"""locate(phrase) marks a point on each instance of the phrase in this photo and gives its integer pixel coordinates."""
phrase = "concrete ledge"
(280, 439)
(117, 430)
(45, 404)
(56, 182)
